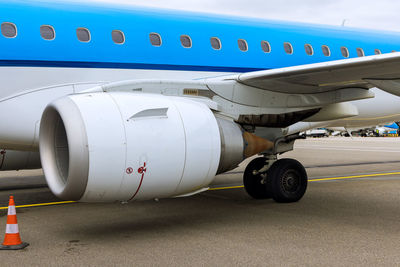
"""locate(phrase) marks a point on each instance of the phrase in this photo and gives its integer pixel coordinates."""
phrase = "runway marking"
(349, 149)
(40, 204)
(228, 187)
(354, 176)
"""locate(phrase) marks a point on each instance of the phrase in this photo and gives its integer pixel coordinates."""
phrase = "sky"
(377, 14)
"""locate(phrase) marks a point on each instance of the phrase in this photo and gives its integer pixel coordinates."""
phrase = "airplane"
(383, 130)
(121, 103)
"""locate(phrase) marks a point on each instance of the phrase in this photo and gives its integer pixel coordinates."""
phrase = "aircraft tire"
(287, 181)
(253, 183)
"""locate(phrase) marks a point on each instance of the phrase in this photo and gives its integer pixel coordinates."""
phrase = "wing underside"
(381, 71)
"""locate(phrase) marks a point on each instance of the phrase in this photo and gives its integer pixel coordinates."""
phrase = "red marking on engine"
(142, 170)
(129, 170)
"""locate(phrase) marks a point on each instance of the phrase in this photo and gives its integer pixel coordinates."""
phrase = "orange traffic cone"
(12, 240)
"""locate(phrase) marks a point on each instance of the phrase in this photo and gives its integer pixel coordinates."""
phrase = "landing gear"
(255, 181)
(285, 180)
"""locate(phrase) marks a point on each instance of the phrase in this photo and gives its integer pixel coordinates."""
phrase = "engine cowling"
(124, 146)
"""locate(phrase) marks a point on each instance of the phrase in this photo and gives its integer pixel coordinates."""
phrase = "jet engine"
(121, 146)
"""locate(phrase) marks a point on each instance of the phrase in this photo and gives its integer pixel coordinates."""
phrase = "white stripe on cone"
(11, 210)
(12, 229)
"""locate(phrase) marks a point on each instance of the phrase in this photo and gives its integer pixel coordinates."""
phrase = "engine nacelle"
(125, 146)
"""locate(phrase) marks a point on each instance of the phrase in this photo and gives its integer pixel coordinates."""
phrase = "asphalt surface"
(343, 222)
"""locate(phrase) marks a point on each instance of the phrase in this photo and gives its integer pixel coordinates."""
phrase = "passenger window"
(288, 48)
(360, 52)
(155, 39)
(186, 41)
(8, 29)
(266, 47)
(47, 32)
(118, 37)
(309, 49)
(345, 51)
(242, 45)
(377, 52)
(83, 35)
(215, 43)
(326, 51)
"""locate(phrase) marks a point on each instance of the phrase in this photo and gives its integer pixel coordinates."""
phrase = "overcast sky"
(376, 14)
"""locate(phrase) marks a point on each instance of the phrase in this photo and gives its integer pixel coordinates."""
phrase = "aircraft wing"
(381, 71)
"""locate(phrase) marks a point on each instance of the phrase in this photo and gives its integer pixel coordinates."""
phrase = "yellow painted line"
(321, 179)
(355, 176)
(226, 188)
(223, 188)
(41, 204)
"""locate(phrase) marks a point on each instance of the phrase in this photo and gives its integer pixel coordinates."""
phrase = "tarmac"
(349, 216)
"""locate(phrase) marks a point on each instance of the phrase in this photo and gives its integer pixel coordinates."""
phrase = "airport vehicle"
(385, 130)
(318, 132)
(128, 103)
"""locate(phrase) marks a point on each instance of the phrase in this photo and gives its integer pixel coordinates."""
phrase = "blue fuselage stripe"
(29, 49)
(112, 65)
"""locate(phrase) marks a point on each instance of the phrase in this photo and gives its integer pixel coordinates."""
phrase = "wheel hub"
(290, 181)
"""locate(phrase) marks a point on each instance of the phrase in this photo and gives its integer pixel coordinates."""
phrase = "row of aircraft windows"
(47, 32)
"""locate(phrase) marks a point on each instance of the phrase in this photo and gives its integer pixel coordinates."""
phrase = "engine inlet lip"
(74, 185)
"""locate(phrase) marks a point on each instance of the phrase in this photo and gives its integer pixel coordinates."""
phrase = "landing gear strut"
(284, 180)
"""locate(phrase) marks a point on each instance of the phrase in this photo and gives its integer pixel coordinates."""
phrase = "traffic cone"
(12, 240)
